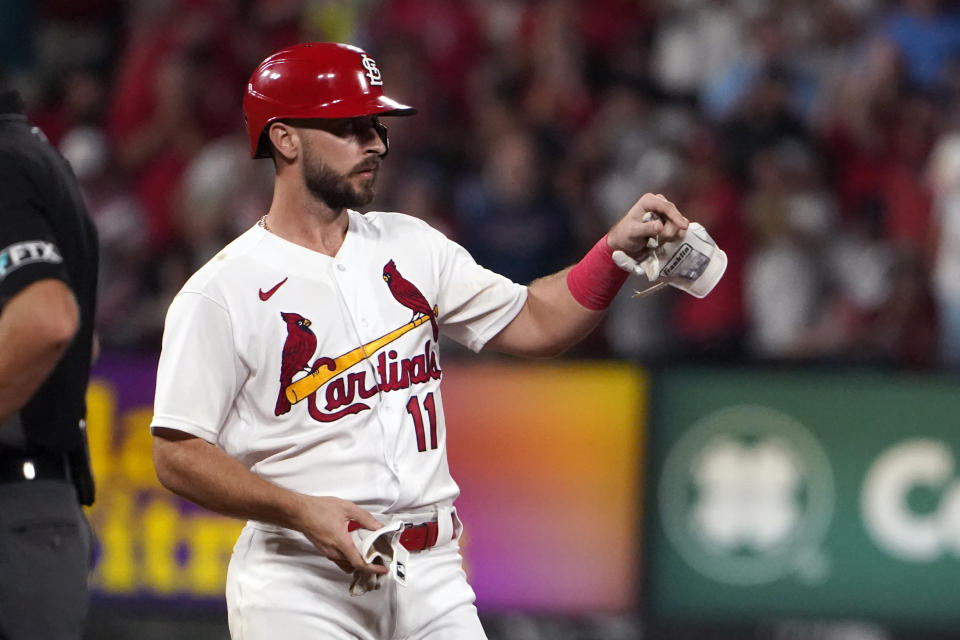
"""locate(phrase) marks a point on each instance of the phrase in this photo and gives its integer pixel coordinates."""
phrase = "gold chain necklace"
(263, 222)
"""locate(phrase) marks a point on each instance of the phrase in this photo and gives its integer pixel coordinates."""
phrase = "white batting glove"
(693, 263)
(380, 547)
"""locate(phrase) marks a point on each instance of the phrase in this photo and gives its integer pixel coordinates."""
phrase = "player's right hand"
(324, 520)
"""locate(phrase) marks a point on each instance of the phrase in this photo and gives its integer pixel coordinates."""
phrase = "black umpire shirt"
(46, 232)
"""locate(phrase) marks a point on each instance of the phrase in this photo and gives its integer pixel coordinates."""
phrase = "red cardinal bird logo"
(409, 296)
(299, 347)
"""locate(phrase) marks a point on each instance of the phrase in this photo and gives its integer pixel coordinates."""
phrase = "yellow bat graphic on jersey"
(303, 387)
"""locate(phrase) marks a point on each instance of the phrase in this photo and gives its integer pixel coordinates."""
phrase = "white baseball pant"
(279, 586)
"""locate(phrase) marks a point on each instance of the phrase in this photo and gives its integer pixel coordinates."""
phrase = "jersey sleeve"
(475, 303)
(199, 373)
(28, 248)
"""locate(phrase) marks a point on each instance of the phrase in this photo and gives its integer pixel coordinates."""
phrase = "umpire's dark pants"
(44, 561)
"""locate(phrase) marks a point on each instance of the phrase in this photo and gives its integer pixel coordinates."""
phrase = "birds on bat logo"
(409, 296)
(393, 371)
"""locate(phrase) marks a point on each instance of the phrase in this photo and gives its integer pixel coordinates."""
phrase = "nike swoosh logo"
(265, 295)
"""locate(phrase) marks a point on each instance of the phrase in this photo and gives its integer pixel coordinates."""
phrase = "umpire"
(48, 275)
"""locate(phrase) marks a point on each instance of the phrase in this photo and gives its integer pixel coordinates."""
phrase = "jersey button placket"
(388, 408)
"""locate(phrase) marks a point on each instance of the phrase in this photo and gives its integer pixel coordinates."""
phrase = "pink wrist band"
(595, 280)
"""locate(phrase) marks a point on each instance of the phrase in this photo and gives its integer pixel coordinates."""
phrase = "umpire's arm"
(37, 325)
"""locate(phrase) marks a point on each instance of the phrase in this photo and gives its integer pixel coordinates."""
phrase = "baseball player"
(299, 381)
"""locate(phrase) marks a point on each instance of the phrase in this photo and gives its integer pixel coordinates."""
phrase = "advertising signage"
(779, 495)
(544, 454)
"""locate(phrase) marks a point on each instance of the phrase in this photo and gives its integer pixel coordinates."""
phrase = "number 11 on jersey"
(413, 408)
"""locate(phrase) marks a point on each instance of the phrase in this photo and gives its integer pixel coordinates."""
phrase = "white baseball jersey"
(322, 374)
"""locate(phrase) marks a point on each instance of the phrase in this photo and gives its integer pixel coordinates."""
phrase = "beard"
(337, 189)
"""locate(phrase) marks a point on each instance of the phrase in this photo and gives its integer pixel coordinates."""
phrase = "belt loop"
(445, 530)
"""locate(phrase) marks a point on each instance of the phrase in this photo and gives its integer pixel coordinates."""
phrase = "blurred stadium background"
(776, 461)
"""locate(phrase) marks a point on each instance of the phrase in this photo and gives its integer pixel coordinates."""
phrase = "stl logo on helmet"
(373, 73)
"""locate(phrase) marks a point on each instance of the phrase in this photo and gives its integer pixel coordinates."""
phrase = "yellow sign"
(150, 541)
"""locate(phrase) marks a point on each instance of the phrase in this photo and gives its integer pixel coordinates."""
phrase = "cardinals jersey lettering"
(322, 374)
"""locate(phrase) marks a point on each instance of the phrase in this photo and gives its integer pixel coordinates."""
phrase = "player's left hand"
(632, 233)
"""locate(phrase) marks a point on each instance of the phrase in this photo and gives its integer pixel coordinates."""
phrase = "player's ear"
(285, 140)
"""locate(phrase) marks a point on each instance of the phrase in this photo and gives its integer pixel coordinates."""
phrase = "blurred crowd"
(817, 140)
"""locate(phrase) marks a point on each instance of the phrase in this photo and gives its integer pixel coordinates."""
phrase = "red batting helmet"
(314, 80)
